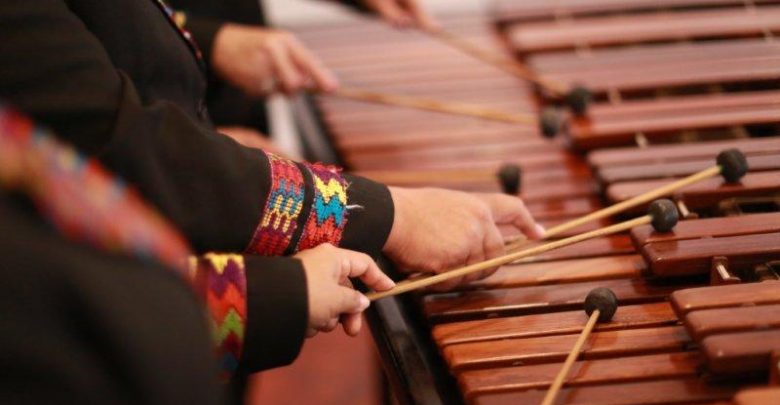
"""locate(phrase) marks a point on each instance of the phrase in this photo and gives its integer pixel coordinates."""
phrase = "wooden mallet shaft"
(601, 305)
(635, 201)
(508, 258)
(495, 59)
(730, 163)
(434, 105)
(552, 393)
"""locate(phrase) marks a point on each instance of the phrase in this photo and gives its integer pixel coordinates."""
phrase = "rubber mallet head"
(550, 122)
(733, 165)
(665, 215)
(604, 300)
(578, 99)
(510, 178)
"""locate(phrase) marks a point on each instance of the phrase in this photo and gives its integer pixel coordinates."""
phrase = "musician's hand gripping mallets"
(730, 163)
(662, 214)
(600, 305)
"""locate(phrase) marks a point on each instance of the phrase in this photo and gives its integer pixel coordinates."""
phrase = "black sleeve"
(204, 30)
(369, 225)
(54, 69)
(84, 326)
(277, 312)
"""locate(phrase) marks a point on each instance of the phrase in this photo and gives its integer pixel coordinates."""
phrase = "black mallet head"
(604, 300)
(733, 165)
(510, 177)
(664, 214)
(550, 122)
(578, 99)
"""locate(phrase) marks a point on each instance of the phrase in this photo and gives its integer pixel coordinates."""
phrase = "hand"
(251, 139)
(402, 13)
(331, 296)
(436, 230)
(258, 60)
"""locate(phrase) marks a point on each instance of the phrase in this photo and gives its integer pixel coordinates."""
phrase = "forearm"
(257, 306)
(213, 189)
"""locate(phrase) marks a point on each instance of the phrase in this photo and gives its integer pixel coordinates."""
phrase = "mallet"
(577, 98)
(730, 163)
(600, 305)
(662, 214)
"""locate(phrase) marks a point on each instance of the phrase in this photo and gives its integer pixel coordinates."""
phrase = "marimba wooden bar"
(687, 79)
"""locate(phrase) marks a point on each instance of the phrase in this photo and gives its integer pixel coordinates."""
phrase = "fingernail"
(540, 231)
(364, 302)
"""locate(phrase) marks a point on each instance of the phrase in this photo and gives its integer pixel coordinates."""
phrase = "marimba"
(699, 315)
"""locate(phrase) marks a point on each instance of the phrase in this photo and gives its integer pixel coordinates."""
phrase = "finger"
(352, 324)
(420, 17)
(512, 211)
(362, 266)
(351, 301)
(392, 13)
(476, 255)
(285, 69)
(494, 247)
(331, 325)
(323, 77)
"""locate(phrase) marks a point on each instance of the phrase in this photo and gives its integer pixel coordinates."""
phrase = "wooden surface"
(548, 349)
(623, 157)
(610, 30)
(701, 324)
(549, 324)
(562, 272)
(531, 312)
(585, 372)
(510, 10)
(758, 396)
(670, 391)
(710, 227)
(696, 299)
(610, 175)
(660, 118)
(551, 298)
(735, 353)
(694, 256)
(706, 193)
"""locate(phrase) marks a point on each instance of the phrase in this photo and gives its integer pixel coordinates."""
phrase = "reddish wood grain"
(701, 324)
(548, 324)
(554, 349)
(673, 391)
(736, 353)
(590, 372)
(710, 227)
(725, 296)
(694, 256)
(528, 300)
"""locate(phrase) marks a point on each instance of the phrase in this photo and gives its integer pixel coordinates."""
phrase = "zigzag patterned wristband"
(221, 280)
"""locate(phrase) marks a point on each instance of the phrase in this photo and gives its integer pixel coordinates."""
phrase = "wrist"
(396, 238)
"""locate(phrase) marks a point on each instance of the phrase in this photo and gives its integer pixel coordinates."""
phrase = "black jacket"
(89, 327)
(117, 79)
(228, 104)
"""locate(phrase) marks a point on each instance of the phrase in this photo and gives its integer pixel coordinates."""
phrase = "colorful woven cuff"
(277, 227)
(328, 215)
(221, 281)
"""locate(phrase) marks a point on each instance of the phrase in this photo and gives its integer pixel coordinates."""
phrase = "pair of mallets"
(731, 164)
